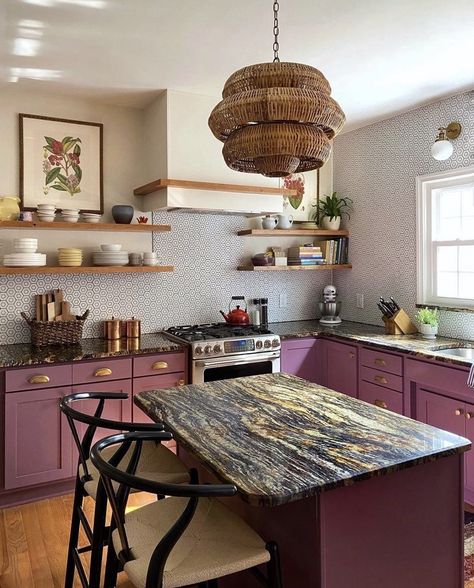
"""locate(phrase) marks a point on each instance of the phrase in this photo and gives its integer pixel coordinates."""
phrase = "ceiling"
(381, 57)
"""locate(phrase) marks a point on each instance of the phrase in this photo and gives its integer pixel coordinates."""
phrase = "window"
(445, 238)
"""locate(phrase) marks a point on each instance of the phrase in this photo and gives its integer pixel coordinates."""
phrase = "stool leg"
(112, 565)
(74, 534)
(273, 566)
(98, 530)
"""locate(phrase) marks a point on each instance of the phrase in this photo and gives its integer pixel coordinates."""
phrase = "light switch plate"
(360, 300)
(283, 300)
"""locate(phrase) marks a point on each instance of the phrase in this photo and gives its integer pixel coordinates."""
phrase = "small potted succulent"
(428, 319)
(330, 211)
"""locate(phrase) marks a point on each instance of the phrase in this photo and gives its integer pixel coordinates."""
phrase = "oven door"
(225, 368)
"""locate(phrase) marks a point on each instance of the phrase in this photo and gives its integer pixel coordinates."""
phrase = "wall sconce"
(442, 148)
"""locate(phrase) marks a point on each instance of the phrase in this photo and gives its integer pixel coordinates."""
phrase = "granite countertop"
(23, 354)
(414, 345)
(279, 438)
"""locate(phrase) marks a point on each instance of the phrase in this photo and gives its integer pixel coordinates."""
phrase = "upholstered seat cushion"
(216, 543)
(156, 463)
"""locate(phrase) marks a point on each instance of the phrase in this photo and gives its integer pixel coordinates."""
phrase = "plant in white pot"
(330, 210)
(428, 319)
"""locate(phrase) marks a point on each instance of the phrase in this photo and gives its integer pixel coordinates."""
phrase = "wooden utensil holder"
(399, 324)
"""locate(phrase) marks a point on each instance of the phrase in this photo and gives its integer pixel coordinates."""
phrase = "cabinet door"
(440, 411)
(37, 438)
(341, 368)
(299, 357)
(469, 456)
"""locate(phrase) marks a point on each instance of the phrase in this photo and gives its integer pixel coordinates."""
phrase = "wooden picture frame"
(61, 162)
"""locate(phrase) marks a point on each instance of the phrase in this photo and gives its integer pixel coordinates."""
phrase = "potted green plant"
(330, 210)
(428, 319)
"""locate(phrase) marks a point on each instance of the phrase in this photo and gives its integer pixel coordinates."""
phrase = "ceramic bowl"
(46, 218)
(111, 247)
(123, 213)
(150, 255)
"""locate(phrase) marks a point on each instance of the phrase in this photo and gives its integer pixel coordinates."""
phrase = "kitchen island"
(355, 496)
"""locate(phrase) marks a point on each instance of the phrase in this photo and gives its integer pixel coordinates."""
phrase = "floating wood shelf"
(271, 268)
(62, 226)
(128, 269)
(210, 186)
(291, 233)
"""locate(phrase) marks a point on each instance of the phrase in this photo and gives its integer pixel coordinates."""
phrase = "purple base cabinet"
(302, 357)
(341, 367)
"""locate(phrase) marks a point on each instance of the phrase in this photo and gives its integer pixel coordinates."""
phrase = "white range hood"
(180, 145)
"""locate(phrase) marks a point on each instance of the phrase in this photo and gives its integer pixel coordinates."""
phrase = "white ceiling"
(380, 56)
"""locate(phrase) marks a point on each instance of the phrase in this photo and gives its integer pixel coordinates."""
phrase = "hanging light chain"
(276, 31)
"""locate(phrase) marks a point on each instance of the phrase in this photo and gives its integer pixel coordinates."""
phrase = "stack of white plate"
(24, 254)
(69, 257)
(110, 258)
(91, 217)
(70, 215)
(45, 212)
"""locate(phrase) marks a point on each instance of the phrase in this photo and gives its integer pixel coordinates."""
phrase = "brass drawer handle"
(380, 403)
(458, 411)
(381, 380)
(351, 355)
(180, 383)
(469, 415)
(159, 365)
(379, 361)
(101, 372)
(40, 379)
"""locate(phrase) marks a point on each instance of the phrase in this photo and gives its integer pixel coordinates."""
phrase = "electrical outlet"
(359, 300)
(283, 300)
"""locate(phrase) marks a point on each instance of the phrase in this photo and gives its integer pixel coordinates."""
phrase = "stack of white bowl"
(45, 212)
(69, 257)
(150, 258)
(110, 254)
(91, 217)
(70, 215)
(24, 254)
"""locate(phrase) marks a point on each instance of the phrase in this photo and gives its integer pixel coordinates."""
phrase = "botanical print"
(61, 165)
(295, 182)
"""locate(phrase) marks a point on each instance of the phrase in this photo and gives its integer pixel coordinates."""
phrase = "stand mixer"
(330, 308)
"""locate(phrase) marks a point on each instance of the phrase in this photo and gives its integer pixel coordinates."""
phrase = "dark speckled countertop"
(279, 438)
(373, 335)
(23, 354)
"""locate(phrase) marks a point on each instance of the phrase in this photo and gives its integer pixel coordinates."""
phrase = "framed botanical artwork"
(61, 163)
(301, 206)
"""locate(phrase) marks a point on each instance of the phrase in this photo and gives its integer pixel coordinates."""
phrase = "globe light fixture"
(442, 148)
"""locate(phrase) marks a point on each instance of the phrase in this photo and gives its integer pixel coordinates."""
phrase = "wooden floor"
(34, 539)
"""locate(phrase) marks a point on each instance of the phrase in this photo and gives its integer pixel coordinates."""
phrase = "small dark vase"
(122, 213)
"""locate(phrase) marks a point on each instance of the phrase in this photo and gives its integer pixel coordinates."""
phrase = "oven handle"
(257, 359)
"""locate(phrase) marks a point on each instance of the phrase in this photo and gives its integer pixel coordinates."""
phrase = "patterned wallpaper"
(205, 250)
(377, 166)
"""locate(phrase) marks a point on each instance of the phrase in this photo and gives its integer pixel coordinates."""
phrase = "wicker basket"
(56, 332)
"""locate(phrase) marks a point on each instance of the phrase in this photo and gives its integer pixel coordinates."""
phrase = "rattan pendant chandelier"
(276, 118)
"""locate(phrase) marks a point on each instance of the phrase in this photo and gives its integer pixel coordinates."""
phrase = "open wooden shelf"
(210, 186)
(82, 269)
(271, 268)
(62, 226)
(291, 233)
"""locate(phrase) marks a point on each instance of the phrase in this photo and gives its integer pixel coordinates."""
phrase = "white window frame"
(425, 250)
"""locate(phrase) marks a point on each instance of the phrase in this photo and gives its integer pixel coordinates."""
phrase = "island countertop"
(279, 438)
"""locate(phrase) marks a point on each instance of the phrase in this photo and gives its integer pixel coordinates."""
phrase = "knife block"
(399, 324)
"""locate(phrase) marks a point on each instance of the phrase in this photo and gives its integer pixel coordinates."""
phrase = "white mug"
(284, 221)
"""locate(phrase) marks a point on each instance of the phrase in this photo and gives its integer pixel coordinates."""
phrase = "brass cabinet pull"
(469, 415)
(380, 403)
(180, 383)
(381, 380)
(458, 411)
(101, 372)
(159, 365)
(379, 361)
(40, 379)
(351, 355)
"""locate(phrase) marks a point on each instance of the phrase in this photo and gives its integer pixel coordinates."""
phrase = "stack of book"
(305, 255)
(335, 251)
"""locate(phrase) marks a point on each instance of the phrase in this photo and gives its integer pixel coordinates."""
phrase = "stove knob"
(207, 349)
(276, 343)
(259, 344)
(267, 344)
(198, 350)
(217, 349)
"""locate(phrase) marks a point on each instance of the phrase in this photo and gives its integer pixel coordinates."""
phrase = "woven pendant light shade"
(276, 119)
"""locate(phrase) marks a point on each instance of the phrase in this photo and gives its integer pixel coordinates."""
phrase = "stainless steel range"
(220, 351)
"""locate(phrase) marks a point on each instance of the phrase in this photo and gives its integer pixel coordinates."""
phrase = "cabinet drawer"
(385, 362)
(380, 378)
(101, 371)
(381, 397)
(349, 351)
(37, 377)
(153, 383)
(161, 363)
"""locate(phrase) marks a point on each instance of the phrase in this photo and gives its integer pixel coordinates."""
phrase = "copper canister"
(133, 328)
(111, 329)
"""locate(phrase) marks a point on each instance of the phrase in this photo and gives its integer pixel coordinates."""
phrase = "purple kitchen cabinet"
(341, 367)
(38, 442)
(440, 411)
(301, 357)
(469, 461)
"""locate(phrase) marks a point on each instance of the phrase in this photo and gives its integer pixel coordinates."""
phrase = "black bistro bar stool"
(155, 462)
(188, 539)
